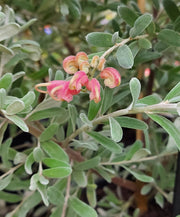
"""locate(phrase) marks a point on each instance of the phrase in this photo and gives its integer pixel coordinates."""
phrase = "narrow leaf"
(57, 172)
(54, 151)
(106, 142)
(50, 162)
(81, 208)
(80, 178)
(173, 93)
(88, 164)
(28, 163)
(168, 126)
(49, 132)
(6, 81)
(85, 119)
(9, 30)
(5, 182)
(38, 154)
(116, 130)
(171, 9)
(125, 57)
(15, 107)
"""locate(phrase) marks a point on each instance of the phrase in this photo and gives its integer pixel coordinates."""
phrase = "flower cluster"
(83, 72)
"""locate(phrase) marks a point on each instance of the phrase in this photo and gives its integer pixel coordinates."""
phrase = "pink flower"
(84, 66)
(147, 72)
(70, 65)
(101, 64)
(94, 87)
(111, 76)
(58, 90)
(78, 80)
(81, 57)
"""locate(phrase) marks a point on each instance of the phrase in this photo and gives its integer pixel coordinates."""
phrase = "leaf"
(27, 24)
(107, 99)
(135, 88)
(28, 163)
(133, 149)
(134, 46)
(88, 164)
(150, 100)
(81, 208)
(49, 132)
(5, 181)
(38, 154)
(85, 119)
(169, 37)
(30, 202)
(99, 39)
(106, 142)
(55, 195)
(54, 151)
(28, 99)
(171, 9)
(9, 30)
(18, 121)
(48, 113)
(57, 172)
(132, 123)
(50, 162)
(174, 92)
(168, 126)
(2, 97)
(9, 197)
(15, 107)
(80, 178)
(144, 43)
(146, 189)
(141, 153)
(116, 130)
(146, 56)
(43, 192)
(101, 170)
(6, 81)
(6, 50)
(73, 115)
(141, 24)
(128, 15)
(138, 176)
(125, 57)
(159, 200)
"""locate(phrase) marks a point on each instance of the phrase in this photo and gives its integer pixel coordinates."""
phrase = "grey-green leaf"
(38, 154)
(88, 164)
(135, 88)
(125, 57)
(106, 142)
(169, 37)
(81, 208)
(57, 172)
(5, 182)
(171, 9)
(8, 31)
(15, 107)
(28, 163)
(99, 39)
(6, 81)
(140, 177)
(168, 126)
(174, 92)
(85, 119)
(140, 24)
(116, 130)
(54, 151)
(48, 133)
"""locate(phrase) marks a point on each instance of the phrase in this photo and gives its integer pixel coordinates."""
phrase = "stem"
(157, 108)
(111, 49)
(139, 160)
(11, 171)
(67, 195)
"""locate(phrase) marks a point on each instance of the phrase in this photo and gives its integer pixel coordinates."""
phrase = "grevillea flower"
(101, 64)
(78, 80)
(84, 66)
(58, 90)
(95, 61)
(81, 57)
(111, 76)
(147, 72)
(94, 87)
(70, 65)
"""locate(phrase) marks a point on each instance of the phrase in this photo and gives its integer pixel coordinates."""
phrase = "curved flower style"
(78, 80)
(70, 65)
(58, 90)
(84, 66)
(81, 57)
(111, 76)
(94, 87)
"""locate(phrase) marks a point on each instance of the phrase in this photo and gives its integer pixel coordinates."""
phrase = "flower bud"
(94, 87)
(94, 61)
(81, 57)
(69, 64)
(101, 64)
(111, 76)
